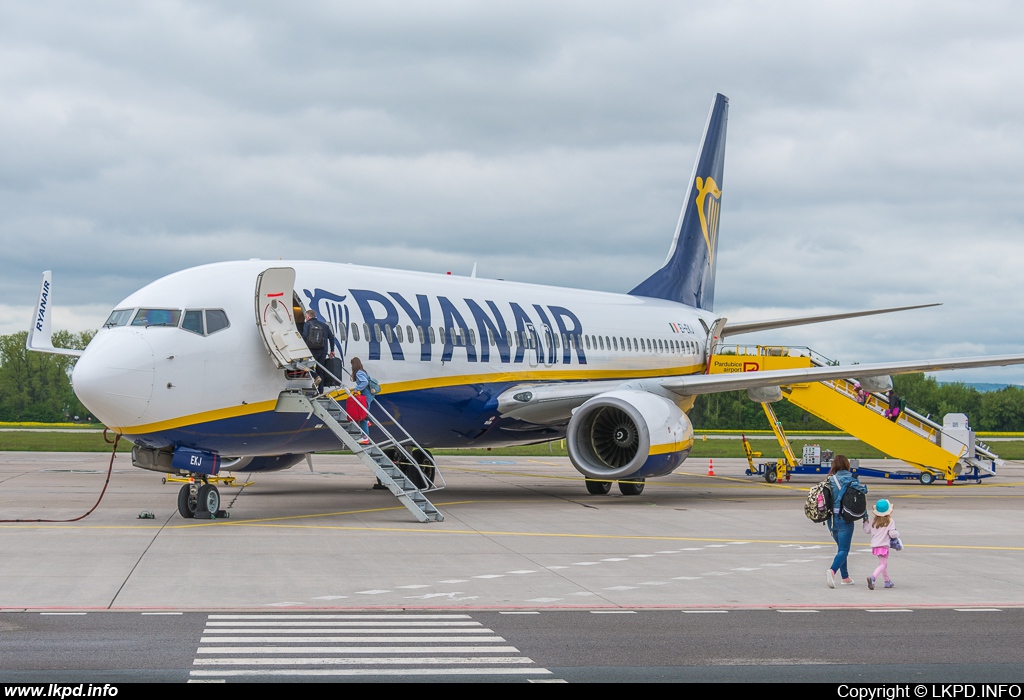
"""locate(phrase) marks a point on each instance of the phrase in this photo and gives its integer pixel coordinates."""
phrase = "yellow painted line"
(431, 383)
(439, 529)
(255, 521)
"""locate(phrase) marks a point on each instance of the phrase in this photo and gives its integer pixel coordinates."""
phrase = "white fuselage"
(439, 345)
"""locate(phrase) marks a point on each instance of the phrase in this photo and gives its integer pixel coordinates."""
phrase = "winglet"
(39, 334)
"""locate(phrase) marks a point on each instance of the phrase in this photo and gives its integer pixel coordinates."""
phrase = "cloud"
(873, 154)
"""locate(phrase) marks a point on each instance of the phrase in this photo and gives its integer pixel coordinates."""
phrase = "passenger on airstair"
(896, 405)
(861, 395)
(362, 380)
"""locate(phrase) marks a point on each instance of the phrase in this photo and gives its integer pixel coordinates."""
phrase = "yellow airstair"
(912, 438)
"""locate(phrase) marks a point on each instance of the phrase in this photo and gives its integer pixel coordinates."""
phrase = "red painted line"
(278, 294)
(269, 609)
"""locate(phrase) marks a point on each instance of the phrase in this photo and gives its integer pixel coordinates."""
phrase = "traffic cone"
(711, 467)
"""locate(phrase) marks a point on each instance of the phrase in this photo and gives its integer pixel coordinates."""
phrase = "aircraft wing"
(553, 404)
(754, 326)
(691, 385)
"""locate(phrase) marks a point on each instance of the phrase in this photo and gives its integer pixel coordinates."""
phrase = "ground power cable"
(110, 470)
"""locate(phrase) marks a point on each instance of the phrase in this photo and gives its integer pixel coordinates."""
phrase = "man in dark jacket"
(321, 341)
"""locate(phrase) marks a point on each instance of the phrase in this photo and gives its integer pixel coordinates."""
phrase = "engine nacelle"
(628, 433)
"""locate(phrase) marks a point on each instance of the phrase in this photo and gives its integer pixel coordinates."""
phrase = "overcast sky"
(874, 153)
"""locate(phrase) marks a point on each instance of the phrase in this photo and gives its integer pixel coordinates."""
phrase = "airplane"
(191, 368)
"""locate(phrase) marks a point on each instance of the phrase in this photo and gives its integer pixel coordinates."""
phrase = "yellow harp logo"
(708, 208)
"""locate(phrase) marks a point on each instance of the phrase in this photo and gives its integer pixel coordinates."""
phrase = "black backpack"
(854, 505)
(315, 337)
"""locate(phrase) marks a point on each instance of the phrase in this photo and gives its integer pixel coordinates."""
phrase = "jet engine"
(628, 434)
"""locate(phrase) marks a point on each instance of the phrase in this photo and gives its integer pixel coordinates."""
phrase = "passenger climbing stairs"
(391, 460)
(941, 451)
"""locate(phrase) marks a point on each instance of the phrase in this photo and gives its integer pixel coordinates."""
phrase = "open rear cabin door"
(275, 318)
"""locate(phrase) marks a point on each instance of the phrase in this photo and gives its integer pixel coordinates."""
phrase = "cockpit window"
(119, 317)
(193, 322)
(157, 317)
(216, 320)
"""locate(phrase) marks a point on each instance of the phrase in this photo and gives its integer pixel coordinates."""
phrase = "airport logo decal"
(709, 202)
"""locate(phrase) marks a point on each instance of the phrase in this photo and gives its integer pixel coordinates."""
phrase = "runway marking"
(888, 610)
(519, 612)
(409, 650)
(701, 612)
(798, 611)
(613, 612)
(163, 613)
(63, 613)
(543, 600)
(978, 609)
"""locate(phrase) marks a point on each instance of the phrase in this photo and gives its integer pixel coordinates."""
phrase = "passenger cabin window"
(119, 317)
(355, 332)
(157, 317)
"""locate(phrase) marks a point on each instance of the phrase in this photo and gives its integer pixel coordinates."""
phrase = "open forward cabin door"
(276, 320)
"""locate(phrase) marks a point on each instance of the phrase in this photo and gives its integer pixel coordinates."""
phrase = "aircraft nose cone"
(114, 377)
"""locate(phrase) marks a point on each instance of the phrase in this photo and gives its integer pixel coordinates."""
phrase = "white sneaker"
(830, 578)
(847, 581)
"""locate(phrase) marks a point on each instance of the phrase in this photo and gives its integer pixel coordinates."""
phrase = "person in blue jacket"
(841, 478)
(362, 380)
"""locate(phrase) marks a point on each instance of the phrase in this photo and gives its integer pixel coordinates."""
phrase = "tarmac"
(520, 533)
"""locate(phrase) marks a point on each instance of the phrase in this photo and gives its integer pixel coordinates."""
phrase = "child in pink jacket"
(882, 529)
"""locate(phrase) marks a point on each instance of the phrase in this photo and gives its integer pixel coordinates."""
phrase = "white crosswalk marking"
(356, 645)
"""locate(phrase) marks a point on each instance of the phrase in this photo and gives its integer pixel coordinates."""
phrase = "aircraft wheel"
(771, 475)
(634, 487)
(926, 478)
(209, 497)
(187, 505)
(430, 473)
(598, 488)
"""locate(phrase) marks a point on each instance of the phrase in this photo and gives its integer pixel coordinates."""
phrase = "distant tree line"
(1000, 411)
(35, 386)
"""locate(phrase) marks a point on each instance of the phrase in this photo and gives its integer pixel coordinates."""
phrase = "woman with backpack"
(842, 483)
(364, 388)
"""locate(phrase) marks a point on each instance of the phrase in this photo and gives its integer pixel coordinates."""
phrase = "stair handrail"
(435, 484)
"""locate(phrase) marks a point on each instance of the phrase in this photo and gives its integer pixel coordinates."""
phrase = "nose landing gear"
(200, 501)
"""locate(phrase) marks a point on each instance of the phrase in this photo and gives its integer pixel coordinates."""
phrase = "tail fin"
(688, 275)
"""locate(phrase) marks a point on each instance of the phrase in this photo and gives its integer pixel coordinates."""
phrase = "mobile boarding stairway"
(398, 461)
(947, 451)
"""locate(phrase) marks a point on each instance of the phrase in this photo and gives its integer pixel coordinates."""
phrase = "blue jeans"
(842, 533)
(365, 423)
